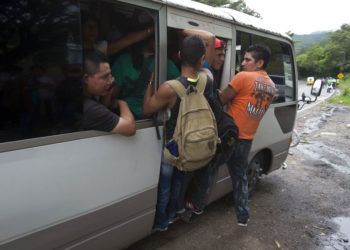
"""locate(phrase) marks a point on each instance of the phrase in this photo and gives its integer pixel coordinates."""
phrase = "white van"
(65, 188)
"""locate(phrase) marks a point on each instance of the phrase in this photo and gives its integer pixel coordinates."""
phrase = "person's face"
(100, 83)
(250, 64)
(219, 59)
(149, 47)
(90, 31)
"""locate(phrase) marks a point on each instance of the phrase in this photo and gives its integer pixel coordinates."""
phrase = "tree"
(238, 5)
(328, 57)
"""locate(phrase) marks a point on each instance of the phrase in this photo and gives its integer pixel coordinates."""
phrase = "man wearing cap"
(218, 61)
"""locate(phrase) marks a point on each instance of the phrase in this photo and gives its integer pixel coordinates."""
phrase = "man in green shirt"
(133, 71)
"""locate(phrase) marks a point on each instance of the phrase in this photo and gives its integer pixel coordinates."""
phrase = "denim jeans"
(237, 166)
(169, 188)
(202, 179)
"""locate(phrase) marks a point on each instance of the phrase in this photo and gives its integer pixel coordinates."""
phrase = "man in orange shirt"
(248, 96)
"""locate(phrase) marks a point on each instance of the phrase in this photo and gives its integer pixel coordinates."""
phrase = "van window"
(280, 68)
(126, 34)
(40, 63)
(41, 51)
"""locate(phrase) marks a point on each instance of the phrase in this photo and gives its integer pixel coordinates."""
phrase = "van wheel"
(254, 172)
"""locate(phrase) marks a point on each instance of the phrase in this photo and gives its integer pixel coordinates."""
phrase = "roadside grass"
(344, 97)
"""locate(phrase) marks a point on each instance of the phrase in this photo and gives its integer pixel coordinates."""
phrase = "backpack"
(227, 130)
(195, 138)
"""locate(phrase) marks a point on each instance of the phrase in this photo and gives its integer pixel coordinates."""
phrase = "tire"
(254, 172)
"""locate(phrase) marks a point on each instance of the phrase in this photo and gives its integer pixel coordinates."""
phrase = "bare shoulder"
(166, 90)
(208, 73)
(166, 94)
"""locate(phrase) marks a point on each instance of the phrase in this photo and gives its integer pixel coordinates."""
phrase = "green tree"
(238, 5)
(328, 57)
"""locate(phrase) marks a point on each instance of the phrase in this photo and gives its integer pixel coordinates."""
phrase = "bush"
(344, 97)
(346, 91)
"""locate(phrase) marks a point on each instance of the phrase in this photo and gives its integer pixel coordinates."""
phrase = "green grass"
(344, 97)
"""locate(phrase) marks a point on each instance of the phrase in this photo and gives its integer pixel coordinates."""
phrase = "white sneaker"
(243, 223)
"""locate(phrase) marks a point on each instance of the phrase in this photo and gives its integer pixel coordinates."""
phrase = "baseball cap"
(219, 44)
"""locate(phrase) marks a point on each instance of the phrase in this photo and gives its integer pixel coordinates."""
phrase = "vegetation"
(302, 42)
(344, 97)
(238, 5)
(327, 58)
(320, 54)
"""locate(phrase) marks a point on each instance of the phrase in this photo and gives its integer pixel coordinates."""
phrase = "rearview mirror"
(316, 88)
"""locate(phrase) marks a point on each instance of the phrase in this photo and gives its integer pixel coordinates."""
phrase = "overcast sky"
(303, 16)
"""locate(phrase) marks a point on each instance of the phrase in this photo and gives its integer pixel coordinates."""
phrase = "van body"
(62, 187)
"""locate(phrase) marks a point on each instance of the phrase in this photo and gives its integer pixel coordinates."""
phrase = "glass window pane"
(40, 56)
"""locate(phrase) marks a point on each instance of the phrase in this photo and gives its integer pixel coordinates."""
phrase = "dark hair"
(92, 60)
(137, 52)
(260, 52)
(87, 17)
(192, 49)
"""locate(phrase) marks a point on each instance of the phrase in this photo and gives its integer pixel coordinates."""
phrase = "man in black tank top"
(171, 180)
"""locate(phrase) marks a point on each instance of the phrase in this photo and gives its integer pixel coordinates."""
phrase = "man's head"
(192, 52)
(256, 58)
(90, 29)
(219, 57)
(97, 77)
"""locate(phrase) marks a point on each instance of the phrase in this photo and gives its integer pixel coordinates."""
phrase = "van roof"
(227, 14)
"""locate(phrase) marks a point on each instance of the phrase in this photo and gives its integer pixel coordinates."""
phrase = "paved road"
(302, 87)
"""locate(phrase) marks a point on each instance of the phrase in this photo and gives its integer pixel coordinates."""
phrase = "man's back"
(195, 131)
(254, 93)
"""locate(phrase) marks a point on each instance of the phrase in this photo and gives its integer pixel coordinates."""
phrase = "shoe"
(243, 223)
(174, 219)
(159, 229)
(181, 211)
(190, 206)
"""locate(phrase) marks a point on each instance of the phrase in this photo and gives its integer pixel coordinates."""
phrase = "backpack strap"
(180, 88)
(177, 86)
(202, 82)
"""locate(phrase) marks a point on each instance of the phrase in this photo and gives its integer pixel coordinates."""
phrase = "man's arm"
(128, 40)
(227, 95)
(163, 98)
(209, 40)
(126, 125)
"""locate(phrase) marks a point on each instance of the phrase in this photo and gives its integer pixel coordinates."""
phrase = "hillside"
(304, 41)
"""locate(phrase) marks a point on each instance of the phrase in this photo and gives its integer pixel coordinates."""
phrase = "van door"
(181, 19)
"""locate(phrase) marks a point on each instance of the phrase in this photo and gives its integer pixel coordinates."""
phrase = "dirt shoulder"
(292, 208)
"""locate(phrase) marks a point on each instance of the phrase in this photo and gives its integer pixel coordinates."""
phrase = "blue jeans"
(202, 179)
(237, 166)
(169, 188)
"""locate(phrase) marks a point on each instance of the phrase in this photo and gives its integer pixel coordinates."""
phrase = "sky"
(303, 16)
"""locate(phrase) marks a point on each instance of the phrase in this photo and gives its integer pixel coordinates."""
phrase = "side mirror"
(316, 88)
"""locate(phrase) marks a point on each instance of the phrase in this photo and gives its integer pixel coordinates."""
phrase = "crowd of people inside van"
(118, 84)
